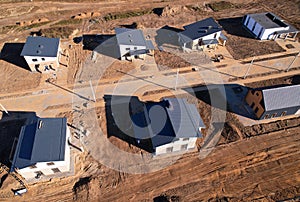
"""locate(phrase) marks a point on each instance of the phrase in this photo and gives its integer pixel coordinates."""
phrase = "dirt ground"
(167, 60)
(249, 163)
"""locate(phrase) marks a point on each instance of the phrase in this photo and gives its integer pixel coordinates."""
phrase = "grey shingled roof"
(134, 37)
(184, 118)
(199, 29)
(43, 144)
(166, 121)
(270, 20)
(282, 97)
(41, 46)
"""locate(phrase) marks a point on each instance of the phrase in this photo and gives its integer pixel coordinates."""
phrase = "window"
(256, 110)
(55, 170)
(283, 113)
(183, 147)
(33, 166)
(127, 49)
(43, 59)
(135, 48)
(185, 139)
(38, 174)
(169, 149)
(50, 164)
(266, 116)
(273, 115)
(34, 60)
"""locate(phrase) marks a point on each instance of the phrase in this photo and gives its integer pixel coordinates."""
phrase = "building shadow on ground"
(11, 53)
(227, 97)
(92, 41)
(158, 11)
(11, 125)
(103, 44)
(167, 36)
(296, 80)
(119, 110)
(234, 26)
(133, 25)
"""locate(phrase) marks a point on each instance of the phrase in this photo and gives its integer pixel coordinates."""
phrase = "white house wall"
(208, 37)
(29, 172)
(123, 50)
(47, 61)
(176, 145)
(268, 34)
(211, 36)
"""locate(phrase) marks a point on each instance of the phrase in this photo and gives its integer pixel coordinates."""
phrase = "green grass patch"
(221, 5)
(115, 16)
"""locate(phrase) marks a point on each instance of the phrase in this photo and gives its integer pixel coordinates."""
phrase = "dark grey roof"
(282, 97)
(184, 118)
(41, 46)
(270, 20)
(167, 121)
(199, 29)
(134, 37)
(42, 141)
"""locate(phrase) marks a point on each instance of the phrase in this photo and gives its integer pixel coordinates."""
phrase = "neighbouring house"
(268, 26)
(202, 34)
(132, 44)
(274, 102)
(42, 148)
(41, 53)
(172, 125)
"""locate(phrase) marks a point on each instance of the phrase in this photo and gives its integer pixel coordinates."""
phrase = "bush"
(58, 32)
(221, 5)
(116, 16)
(67, 22)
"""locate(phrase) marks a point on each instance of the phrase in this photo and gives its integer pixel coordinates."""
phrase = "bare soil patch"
(166, 60)
(15, 75)
(118, 69)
